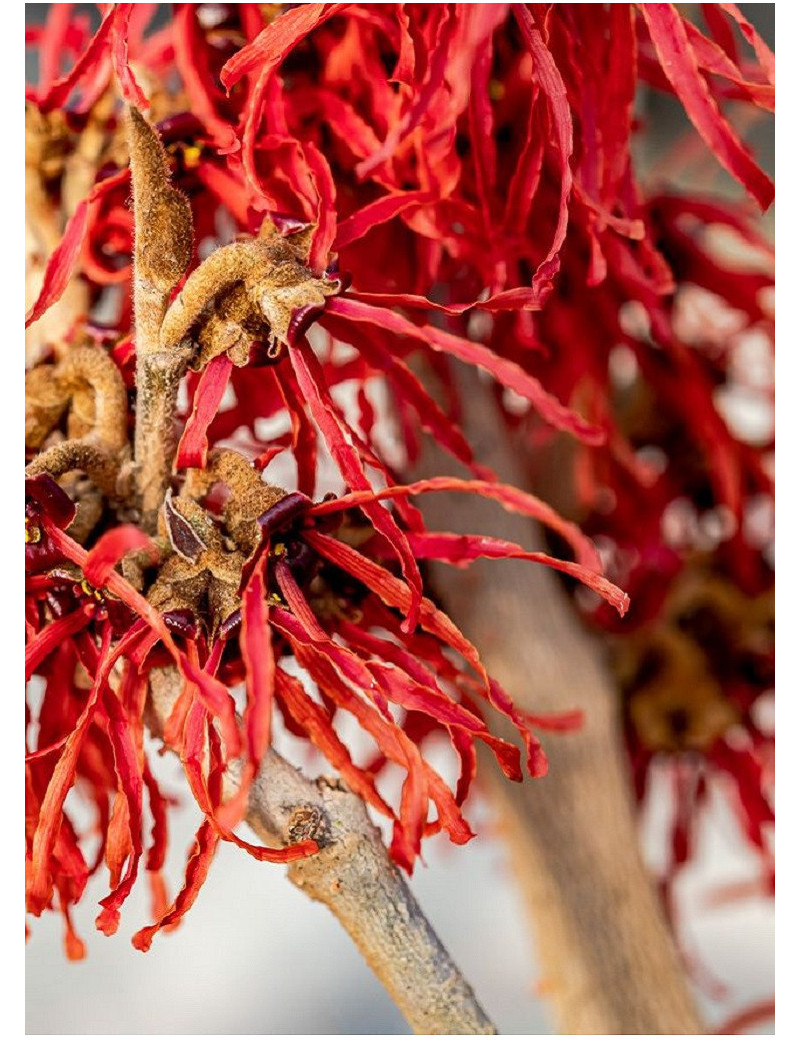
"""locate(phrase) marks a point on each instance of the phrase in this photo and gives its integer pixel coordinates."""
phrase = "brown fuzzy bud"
(260, 289)
(45, 403)
(163, 216)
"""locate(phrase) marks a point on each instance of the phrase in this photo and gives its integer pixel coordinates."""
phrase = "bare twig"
(354, 877)
(610, 962)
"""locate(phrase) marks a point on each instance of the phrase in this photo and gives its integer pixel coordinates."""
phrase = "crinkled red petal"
(316, 723)
(117, 835)
(325, 231)
(227, 188)
(389, 739)
(197, 866)
(395, 594)
(712, 58)
(131, 91)
(304, 434)
(274, 42)
(555, 92)
(312, 385)
(98, 50)
(461, 549)
(680, 66)
(410, 390)
(53, 44)
(193, 445)
(129, 778)
(431, 84)
(197, 736)
(766, 58)
(156, 853)
(39, 882)
(217, 700)
(61, 263)
(51, 637)
(198, 86)
(64, 258)
(509, 497)
(507, 373)
(255, 641)
(109, 549)
(382, 210)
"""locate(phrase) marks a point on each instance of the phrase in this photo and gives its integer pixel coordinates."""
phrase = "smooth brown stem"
(609, 958)
(354, 877)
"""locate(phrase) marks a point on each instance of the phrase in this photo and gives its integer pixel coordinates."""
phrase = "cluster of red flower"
(469, 166)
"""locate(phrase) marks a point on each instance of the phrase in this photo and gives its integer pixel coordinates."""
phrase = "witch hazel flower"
(424, 184)
(239, 575)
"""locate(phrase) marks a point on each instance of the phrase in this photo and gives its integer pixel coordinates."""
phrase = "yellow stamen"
(33, 534)
(191, 156)
(90, 590)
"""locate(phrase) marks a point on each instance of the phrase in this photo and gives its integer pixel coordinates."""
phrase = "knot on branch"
(308, 822)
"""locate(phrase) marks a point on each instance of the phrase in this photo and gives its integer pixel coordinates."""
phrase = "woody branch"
(351, 873)
(608, 956)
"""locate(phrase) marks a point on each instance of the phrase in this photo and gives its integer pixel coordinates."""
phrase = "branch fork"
(251, 290)
(260, 288)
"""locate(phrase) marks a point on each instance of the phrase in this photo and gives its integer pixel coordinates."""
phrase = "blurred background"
(256, 956)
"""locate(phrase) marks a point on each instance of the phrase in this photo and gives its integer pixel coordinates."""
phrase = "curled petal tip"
(230, 626)
(286, 225)
(302, 319)
(182, 623)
